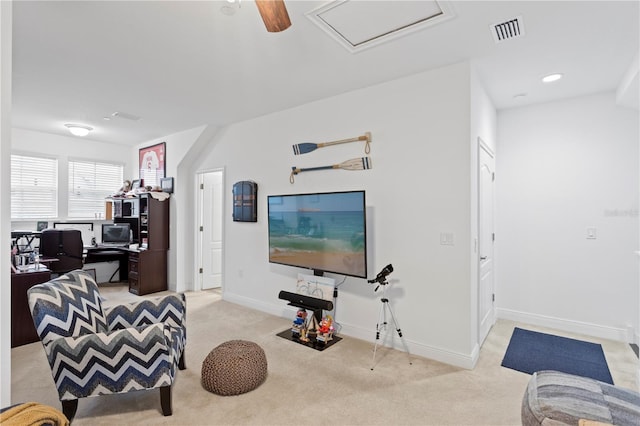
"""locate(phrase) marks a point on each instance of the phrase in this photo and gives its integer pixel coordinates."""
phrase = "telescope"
(381, 278)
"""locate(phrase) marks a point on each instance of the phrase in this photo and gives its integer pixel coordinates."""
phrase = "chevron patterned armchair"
(96, 351)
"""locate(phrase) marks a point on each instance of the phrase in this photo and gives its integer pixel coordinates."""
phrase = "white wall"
(418, 188)
(178, 146)
(483, 125)
(563, 167)
(5, 210)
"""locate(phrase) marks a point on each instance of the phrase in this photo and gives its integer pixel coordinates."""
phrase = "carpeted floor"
(305, 386)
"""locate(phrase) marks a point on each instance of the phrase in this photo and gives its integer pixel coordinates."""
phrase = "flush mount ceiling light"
(78, 129)
(551, 78)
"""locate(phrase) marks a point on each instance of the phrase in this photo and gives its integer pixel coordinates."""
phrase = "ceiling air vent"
(507, 30)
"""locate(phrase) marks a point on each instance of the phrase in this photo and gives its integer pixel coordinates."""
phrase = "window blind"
(34, 187)
(89, 184)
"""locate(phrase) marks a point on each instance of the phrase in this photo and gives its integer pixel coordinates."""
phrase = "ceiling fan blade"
(274, 14)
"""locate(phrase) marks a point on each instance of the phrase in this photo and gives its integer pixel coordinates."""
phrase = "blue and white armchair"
(94, 351)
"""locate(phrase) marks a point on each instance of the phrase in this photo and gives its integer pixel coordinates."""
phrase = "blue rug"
(530, 351)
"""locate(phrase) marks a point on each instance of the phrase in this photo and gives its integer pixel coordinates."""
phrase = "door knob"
(483, 257)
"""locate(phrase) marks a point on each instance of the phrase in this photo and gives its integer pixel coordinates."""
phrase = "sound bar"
(307, 302)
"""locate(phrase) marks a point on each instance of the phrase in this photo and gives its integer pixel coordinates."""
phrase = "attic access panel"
(358, 25)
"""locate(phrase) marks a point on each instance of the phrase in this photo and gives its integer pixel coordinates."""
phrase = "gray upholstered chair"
(555, 398)
(94, 351)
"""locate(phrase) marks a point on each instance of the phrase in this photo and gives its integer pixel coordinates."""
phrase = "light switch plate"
(446, 239)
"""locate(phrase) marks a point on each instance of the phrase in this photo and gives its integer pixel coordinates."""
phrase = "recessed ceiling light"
(551, 78)
(78, 129)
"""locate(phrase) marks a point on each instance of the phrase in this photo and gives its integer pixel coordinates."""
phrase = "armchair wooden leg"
(181, 363)
(69, 408)
(165, 400)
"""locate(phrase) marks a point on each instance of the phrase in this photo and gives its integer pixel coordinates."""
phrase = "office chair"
(66, 246)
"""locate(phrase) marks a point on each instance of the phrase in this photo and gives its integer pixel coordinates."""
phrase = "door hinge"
(200, 270)
(493, 236)
(493, 297)
(201, 228)
(493, 176)
(202, 186)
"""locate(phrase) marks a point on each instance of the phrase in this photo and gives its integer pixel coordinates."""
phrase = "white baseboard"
(467, 361)
(588, 329)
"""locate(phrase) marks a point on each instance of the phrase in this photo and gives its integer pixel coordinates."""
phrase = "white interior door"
(486, 291)
(211, 229)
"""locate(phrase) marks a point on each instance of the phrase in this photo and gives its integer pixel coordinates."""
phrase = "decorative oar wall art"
(363, 163)
(303, 148)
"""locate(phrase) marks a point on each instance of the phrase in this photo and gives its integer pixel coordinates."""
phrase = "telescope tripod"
(382, 324)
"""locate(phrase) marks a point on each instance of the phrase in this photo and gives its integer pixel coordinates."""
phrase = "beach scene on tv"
(324, 232)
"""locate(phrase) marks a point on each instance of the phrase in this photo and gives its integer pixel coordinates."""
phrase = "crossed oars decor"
(303, 148)
(363, 163)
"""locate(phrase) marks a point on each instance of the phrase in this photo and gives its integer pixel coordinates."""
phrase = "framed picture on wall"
(152, 164)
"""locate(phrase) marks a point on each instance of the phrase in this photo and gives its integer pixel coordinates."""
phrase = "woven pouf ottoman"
(234, 367)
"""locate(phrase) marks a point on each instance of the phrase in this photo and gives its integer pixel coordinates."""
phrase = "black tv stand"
(317, 306)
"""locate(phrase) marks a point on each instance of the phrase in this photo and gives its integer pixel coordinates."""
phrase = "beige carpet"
(308, 387)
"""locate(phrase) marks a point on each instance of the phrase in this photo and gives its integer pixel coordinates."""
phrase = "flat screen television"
(325, 232)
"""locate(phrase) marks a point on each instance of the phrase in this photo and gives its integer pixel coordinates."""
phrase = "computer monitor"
(116, 233)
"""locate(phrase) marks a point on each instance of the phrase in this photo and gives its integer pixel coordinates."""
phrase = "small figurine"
(299, 327)
(126, 186)
(325, 329)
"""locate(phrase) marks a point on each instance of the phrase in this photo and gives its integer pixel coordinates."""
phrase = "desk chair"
(66, 246)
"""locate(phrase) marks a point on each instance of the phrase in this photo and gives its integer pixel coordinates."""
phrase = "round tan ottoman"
(234, 367)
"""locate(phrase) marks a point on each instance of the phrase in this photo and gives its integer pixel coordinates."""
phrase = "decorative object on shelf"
(245, 207)
(363, 163)
(166, 184)
(152, 163)
(303, 148)
(136, 184)
(42, 225)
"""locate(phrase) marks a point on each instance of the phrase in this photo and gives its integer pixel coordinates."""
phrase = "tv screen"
(117, 233)
(325, 232)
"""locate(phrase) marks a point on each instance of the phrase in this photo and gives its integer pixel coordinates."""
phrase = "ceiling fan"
(274, 15)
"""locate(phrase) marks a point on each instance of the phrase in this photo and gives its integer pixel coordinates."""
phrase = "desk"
(110, 254)
(22, 329)
(145, 270)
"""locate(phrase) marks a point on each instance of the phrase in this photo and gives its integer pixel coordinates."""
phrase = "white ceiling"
(178, 65)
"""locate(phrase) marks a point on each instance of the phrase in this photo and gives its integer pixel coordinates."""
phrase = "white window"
(34, 187)
(89, 184)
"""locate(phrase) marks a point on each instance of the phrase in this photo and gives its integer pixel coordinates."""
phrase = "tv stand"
(317, 306)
